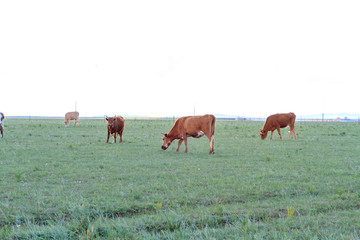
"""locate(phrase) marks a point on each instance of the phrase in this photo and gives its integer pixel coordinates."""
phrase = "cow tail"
(212, 126)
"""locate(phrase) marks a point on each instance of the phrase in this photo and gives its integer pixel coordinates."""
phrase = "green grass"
(67, 183)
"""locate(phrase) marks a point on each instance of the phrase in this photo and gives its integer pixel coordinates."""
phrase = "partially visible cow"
(191, 126)
(72, 116)
(1, 122)
(115, 126)
(277, 121)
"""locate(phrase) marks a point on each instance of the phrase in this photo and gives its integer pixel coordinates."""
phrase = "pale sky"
(163, 58)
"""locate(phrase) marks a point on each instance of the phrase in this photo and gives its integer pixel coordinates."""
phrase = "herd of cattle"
(190, 126)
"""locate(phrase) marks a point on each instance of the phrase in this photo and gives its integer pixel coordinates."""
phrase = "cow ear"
(165, 134)
(107, 119)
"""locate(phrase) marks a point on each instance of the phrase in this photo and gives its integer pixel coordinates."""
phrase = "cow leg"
(272, 132)
(1, 130)
(212, 145)
(179, 143)
(278, 129)
(74, 123)
(120, 137)
(185, 140)
(211, 141)
(107, 140)
(293, 131)
(115, 135)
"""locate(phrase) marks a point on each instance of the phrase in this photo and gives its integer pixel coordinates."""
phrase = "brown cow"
(191, 126)
(277, 121)
(72, 116)
(1, 121)
(115, 126)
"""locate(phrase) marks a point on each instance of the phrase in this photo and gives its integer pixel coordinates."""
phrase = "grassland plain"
(67, 183)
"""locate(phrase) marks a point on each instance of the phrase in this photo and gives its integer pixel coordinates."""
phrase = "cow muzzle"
(164, 147)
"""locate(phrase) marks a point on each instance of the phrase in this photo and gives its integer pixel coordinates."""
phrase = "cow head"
(166, 141)
(110, 120)
(263, 134)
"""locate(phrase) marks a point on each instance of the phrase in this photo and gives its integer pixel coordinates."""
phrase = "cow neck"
(174, 132)
(267, 125)
(265, 128)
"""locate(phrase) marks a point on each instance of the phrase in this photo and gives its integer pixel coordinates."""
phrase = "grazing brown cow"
(72, 116)
(191, 126)
(1, 121)
(277, 121)
(115, 126)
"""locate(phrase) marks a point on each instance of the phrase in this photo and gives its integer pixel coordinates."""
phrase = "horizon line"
(225, 116)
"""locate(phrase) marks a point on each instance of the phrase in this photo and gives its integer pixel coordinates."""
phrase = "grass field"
(67, 183)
